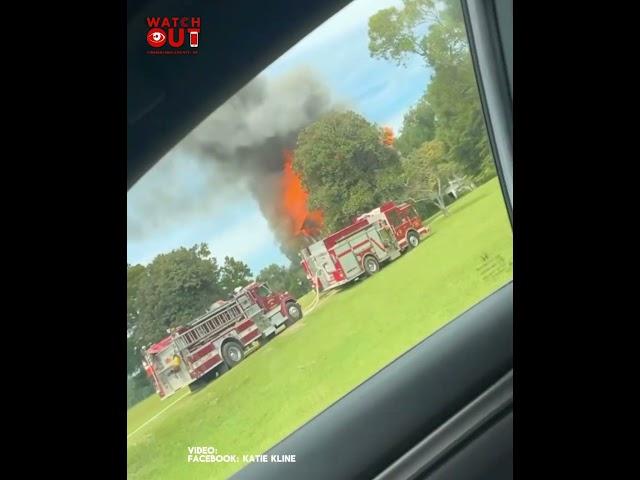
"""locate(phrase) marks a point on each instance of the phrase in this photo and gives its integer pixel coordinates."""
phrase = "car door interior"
(442, 410)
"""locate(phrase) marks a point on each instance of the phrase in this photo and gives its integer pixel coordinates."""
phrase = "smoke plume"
(239, 149)
(245, 139)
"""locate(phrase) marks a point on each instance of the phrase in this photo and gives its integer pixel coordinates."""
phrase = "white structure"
(458, 185)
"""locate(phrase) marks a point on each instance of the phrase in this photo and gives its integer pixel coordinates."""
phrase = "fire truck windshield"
(394, 218)
(264, 291)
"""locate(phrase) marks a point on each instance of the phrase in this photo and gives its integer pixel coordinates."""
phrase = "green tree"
(283, 279)
(435, 31)
(135, 273)
(298, 283)
(177, 286)
(139, 387)
(428, 173)
(234, 274)
(345, 166)
(397, 33)
(418, 126)
(133, 356)
(275, 275)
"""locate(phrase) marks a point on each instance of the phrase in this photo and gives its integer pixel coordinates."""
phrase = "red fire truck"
(374, 237)
(219, 339)
(271, 311)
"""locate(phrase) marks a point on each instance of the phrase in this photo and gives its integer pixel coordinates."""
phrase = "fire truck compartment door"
(252, 310)
(348, 260)
(389, 242)
(315, 265)
(377, 243)
(275, 317)
(248, 306)
(326, 267)
(178, 379)
(386, 236)
(172, 381)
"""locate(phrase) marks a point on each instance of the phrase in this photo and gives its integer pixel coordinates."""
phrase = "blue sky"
(173, 200)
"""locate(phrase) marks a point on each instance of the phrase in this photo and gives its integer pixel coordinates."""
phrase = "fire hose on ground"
(314, 302)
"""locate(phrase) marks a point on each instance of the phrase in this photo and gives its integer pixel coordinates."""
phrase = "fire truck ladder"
(207, 327)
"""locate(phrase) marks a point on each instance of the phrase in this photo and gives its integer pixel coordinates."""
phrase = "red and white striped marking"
(250, 334)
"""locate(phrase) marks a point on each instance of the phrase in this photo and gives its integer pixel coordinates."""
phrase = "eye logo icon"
(156, 37)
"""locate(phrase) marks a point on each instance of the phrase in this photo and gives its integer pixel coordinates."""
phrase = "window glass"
(264, 291)
(394, 218)
(377, 105)
(244, 301)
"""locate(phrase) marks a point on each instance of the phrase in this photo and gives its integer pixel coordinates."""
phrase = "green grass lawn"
(143, 411)
(347, 338)
(306, 299)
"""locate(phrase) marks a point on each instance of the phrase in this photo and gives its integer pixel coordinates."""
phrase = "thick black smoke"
(245, 139)
(237, 148)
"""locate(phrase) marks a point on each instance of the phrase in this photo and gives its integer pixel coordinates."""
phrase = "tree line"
(347, 164)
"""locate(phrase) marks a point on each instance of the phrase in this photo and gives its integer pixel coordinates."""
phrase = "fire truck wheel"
(232, 354)
(371, 265)
(414, 239)
(294, 313)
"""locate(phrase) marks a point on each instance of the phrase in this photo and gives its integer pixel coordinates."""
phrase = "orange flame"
(294, 202)
(388, 137)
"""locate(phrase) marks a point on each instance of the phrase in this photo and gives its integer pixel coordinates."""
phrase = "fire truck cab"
(377, 236)
(272, 311)
(404, 221)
